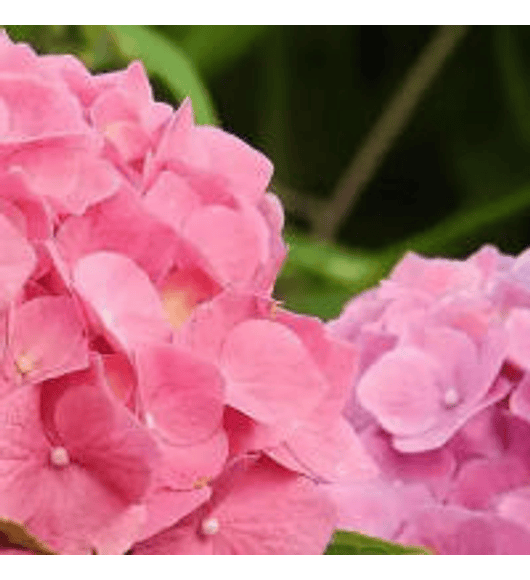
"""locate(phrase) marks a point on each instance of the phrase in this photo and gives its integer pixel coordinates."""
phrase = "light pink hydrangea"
(442, 403)
(153, 398)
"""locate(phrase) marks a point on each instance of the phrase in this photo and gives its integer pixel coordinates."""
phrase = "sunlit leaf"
(166, 60)
(353, 543)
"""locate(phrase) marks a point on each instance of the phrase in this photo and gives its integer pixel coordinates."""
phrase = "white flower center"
(59, 457)
(451, 397)
(210, 526)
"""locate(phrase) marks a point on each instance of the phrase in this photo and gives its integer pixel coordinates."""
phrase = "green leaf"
(166, 60)
(16, 536)
(353, 543)
(340, 265)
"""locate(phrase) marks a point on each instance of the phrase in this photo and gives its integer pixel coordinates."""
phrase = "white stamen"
(210, 527)
(24, 364)
(59, 457)
(451, 397)
(150, 421)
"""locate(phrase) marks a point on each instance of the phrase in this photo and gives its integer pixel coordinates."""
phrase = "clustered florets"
(153, 398)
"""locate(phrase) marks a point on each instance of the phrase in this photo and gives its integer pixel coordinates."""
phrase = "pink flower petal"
(186, 467)
(48, 338)
(377, 508)
(228, 241)
(171, 199)
(480, 480)
(515, 506)
(333, 453)
(122, 296)
(60, 505)
(270, 375)
(17, 260)
(518, 327)
(102, 436)
(401, 390)
(259, 508)
(182, 396)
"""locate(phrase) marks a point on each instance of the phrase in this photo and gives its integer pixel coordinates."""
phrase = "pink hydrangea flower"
(257, 507)
(153, 398)
(442, 404)
(286, 384)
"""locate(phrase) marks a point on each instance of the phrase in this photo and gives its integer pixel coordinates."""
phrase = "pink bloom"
(257, 507)
(72, 461)
(152, 394)
(288, 380)
(442, 402)
(45, 339)
(453, 530)
(210, 188)
(44, 136)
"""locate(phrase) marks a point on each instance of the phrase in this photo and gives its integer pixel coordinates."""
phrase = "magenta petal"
(270, 375)
(182, 396)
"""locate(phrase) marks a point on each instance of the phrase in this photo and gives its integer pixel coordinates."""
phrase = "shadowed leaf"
(13, 535)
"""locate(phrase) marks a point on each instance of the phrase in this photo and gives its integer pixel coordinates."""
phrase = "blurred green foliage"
(456, 178)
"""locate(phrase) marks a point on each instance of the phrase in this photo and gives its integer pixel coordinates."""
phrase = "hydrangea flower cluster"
(154, 398)
(442, 402)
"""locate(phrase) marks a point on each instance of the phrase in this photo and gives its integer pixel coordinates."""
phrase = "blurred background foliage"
(456, 176)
